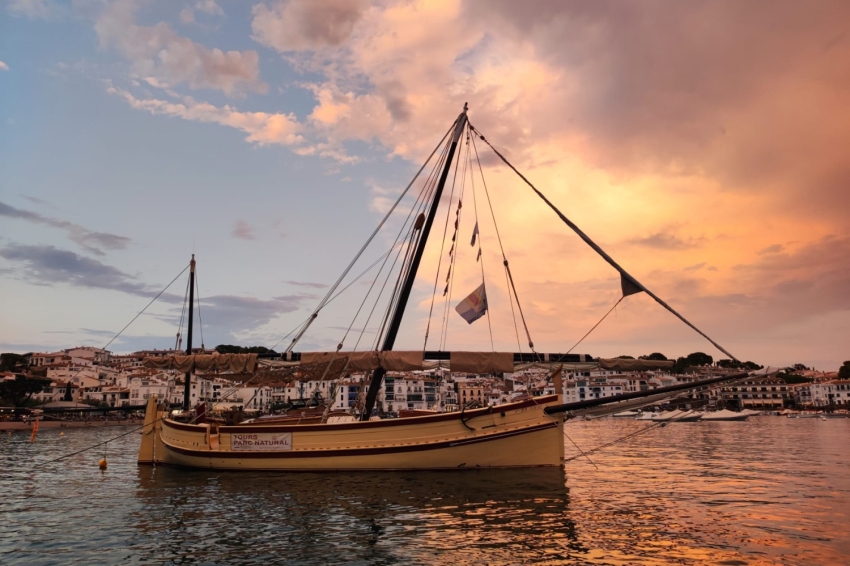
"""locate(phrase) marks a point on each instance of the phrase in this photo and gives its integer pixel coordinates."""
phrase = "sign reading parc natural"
(261, 441)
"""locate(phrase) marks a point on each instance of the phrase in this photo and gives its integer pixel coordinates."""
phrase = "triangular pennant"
(629, 285)
(478, 256)
(446, 290)
(474, 234)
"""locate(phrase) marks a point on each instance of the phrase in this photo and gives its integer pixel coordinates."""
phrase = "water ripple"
(765, 491)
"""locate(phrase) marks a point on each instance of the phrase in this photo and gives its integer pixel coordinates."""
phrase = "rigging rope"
(144, 309)
(450, 276)
(627, 279)
(509, 280)
(479, 257)
(177, 341)
(439, 265)
(339, 280)
(595, 325)
(200, 320)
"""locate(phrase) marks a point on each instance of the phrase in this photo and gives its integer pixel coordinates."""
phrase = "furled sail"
(237, 363)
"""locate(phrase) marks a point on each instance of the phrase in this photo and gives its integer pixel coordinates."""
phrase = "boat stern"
(147, 447)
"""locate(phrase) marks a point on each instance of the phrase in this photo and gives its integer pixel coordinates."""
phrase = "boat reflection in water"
(378, 517)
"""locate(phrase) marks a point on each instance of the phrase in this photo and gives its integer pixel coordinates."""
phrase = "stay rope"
(450, 276)
(200, 320)
(177, 342)
(362, 249)
(508, 276)
(479, 257)
(627, 281)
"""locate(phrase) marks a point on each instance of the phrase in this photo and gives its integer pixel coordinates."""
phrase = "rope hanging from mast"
(383, 221)
(476, 235)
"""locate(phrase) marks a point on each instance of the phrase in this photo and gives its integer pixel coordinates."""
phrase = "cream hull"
(513, 435)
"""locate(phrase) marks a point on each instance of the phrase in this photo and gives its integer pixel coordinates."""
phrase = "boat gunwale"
(465, 415)
(365, 451)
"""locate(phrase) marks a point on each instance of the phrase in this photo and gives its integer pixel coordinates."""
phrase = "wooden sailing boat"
(524, 433)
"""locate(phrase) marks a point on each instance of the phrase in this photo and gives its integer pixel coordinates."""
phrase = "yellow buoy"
(102, 463)
(62, 433)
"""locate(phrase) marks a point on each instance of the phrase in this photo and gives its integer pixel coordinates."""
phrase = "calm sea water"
(767, 491)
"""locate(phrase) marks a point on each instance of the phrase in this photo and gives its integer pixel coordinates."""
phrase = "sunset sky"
(704, 145)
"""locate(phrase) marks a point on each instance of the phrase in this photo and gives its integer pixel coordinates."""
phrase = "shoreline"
(18, 425)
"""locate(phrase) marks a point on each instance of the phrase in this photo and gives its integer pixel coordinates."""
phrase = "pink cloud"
(243, 231)
(159, 52)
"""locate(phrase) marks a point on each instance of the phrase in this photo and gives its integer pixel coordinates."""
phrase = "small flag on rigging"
(478, 256)
(474, 234)
(474, 306)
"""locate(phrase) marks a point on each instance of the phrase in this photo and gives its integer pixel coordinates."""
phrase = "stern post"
(146, 450)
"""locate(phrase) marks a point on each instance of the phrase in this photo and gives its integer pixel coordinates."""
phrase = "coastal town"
(86, 376)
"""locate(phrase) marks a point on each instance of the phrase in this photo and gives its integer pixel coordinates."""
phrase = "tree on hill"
(12, 362)
(655, 356)
(732, 364)
(792, 378)
(844, 371)
(691, 360)
(625, 357)
(19, 391)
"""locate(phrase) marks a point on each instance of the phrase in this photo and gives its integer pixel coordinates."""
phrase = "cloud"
(262, 128)
(227, 315)
(664, 241)
(775, 289)
(48, 265)
(307, 284)
(31, 8)
(3, 66)
(158, 52)
(306, 24)
(209, 7)
(773, 249)
(187, 16)
(221, 314)
(243, 231)
(728, 91)
(91, 241)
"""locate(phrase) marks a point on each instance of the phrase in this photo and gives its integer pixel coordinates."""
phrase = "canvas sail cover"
(625, 364)
(482, 362)
(237, 363)
(357, 361)
(474, 306)
(402, 361)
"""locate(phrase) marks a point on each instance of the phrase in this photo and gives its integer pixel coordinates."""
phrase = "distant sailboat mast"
(187, 387)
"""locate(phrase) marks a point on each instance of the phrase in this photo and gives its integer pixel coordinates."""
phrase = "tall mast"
(404, 294)
(187, 387)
